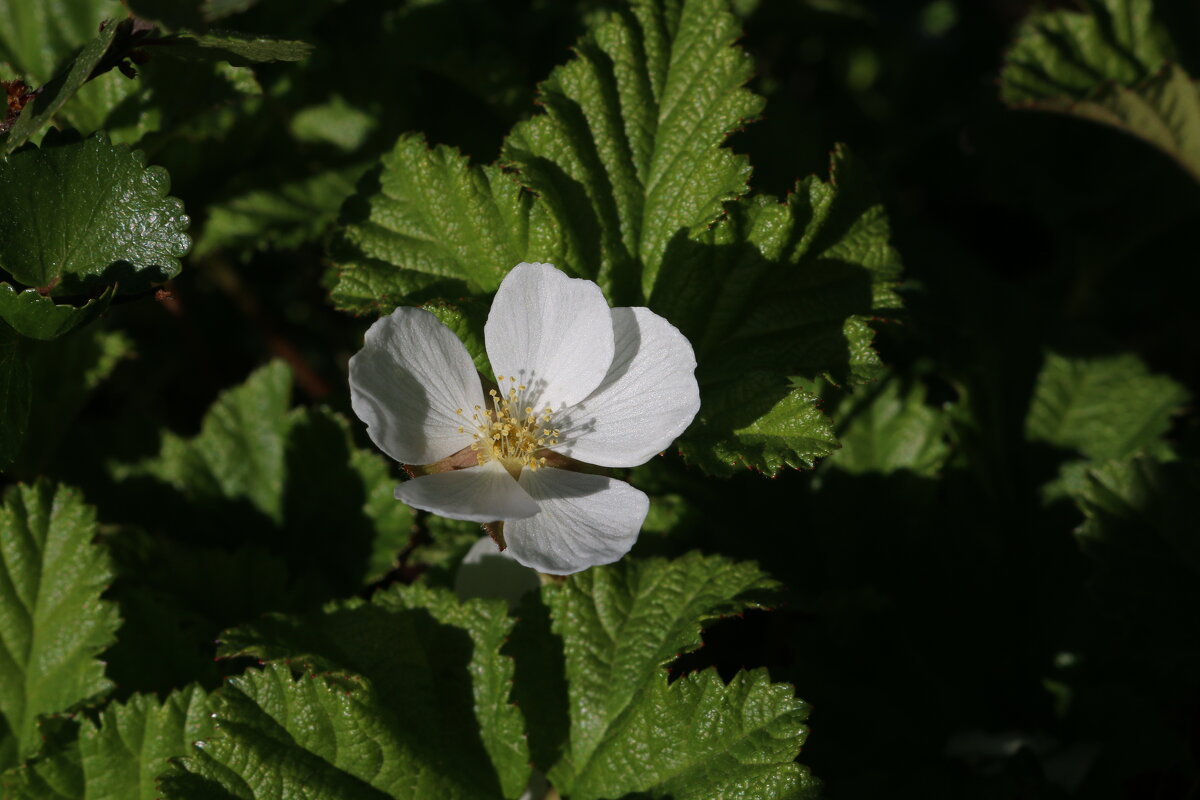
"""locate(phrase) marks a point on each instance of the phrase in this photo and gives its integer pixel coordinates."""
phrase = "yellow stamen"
(510, 432)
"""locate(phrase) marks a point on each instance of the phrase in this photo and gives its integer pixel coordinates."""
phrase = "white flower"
(605, 386)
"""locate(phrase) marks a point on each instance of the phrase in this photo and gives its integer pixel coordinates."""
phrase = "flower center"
(509, 432)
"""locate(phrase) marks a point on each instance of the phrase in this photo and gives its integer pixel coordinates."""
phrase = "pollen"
(511, 432)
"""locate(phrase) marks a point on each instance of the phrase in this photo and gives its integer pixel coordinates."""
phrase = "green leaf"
(239, 49)
(53, 623)
(629, 148)
(1067, 54)
(623, 158)
(888, 427)
(298, 469)
(35, 38)
(1163, 110)
(1105, 408)
(629, 731)
(620, 625)
(88, 212)
(425, 659)
(36, 316)
(327, 736)
(283, 217)
(16, 394)
(757, 422)
(432, 660)
(429, 225)
(699, 738)
(121, 755)
(40, 111)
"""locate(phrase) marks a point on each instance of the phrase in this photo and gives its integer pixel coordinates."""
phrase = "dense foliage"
(933, 257)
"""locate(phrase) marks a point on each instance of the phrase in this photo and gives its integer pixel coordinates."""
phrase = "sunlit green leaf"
(326, 736)
(699, 738)
(628, 151)
(623, 728)
(433, 660)
(80, 213)
(53, 623)
(340, 736)
(119, 757)
(757, 422)
(433, 226)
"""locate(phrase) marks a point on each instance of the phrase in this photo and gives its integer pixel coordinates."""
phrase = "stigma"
(506, 430)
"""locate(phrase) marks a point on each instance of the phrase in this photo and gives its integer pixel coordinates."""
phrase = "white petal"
(476, 494)
(488, 571)
(553, 333)
(408, 381)
(647, 399)
(585, 520)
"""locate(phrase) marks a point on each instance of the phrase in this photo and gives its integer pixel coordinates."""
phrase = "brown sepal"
(496, 531)
(461, 460)
(18, 94)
